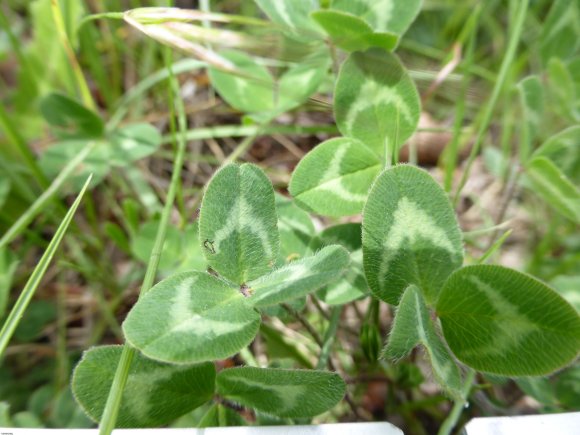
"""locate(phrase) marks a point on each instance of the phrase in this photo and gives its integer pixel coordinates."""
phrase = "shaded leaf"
(501, 321)
(410, 235)
(181, 251)
(376, 101)
(413, 326)
(300, 277)
(562, 149)
(554, 187)
(238, 223)
(296, 230)
(70, 119)
(191, 317)
(532, 99)
(155, 393)
(334, 178)
(283, 393)
(560, 35)
(352, 285)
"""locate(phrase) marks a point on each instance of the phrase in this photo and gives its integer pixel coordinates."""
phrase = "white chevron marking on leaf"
(383, 11)
(411, 223)
(373, 93)
(517, 328)
(247, 222)
(331, 180)
(288, 394)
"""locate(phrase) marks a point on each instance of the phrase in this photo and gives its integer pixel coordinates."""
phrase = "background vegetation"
(68, 85)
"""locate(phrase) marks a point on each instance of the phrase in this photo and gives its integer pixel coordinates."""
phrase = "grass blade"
(37, 274)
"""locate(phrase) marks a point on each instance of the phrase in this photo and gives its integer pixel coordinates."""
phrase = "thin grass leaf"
(26, 295)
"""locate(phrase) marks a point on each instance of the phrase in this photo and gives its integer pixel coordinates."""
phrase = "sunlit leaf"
(410, 235)
(155, 393)
(351, 33)
(376, 101)
(284, 393)
(392, 16)
(238, 223)
(501, 321)
(335, 177)
(191, 317)
(300, 277)
(293, 15)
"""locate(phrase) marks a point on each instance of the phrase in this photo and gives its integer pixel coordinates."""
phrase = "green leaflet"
(284, 393)
(352, 33)
(334, 178)
(191, 317)
(300, 277)
(181, 251)
(296, 230)
(352, 285)
(413, 326)
(554, 187)
(410, 235)
(562, 90)
(376, 101)
(155, 394)
(120, 148)
(238, 223)
(293, 15)
(392, 16)
(532, 100)
(562, 149)
(254, 90)
(70, 119)
(133, 142)
(560, 35)
(501, 321)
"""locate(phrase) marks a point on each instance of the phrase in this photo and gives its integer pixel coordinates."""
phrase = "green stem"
(501, 79)
(252, 130)
(458, 406)
(111, 410)
(46, 196)
(77, 71)
(31, 285)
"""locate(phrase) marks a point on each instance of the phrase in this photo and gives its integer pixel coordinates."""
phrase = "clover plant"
(261, 249)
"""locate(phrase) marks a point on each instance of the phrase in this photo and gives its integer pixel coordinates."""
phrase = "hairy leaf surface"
(413, 326)
(300, 277)
(284, 393)
(410, 235)
(238, 223)
(501, 321)
(155, 393)
(334, 178)
(376, 101)
(191, 317)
